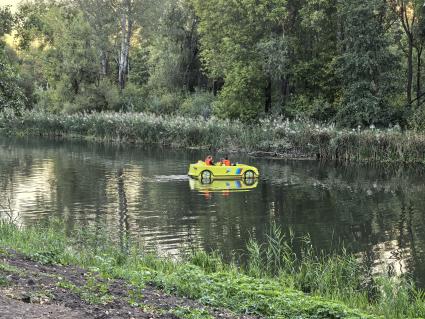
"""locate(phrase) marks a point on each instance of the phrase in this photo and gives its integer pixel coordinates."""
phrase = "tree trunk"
(418, 76)
(103, 63)
(268, 93)
(284, 89)
(217, 85)
(191, 43)
(126, 29)
(76, 86)
(121, 69)
(129, 34)
(409, 70)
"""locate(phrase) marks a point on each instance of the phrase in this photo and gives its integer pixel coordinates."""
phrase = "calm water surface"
(376, 212)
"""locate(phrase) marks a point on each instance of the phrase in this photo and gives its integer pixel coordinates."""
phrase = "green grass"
(190, 313)
(9, 269)
(5, 271)
(296, 138)
(276, 282)
(3, 281)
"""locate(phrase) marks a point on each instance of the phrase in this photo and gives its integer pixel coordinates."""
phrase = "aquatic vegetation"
(274, 136)
(277, 281)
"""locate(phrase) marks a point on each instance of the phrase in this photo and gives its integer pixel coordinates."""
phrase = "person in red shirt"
(209, 160)
(226, 161)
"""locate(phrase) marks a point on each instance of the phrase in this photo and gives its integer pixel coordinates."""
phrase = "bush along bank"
(268, 286)
(277, 137)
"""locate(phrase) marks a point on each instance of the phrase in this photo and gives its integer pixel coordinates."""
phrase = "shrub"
(241, 98)
(198, 104)
(11, 95)
(164, 102)
(133, 98)
(302, 106)
(417, 119)
(48, 101)
(103, 96)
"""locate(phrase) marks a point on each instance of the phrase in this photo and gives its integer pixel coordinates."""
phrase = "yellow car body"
(223, 186)
(218, 171)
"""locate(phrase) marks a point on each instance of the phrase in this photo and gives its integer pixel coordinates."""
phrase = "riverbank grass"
(275, 283)
(281, 137)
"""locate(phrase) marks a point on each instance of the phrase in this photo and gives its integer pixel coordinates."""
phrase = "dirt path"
(31, 290)
(10, 308)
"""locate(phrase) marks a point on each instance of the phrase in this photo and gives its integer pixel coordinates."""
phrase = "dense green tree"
(101, 16)
(314, 29)
(326, 60)
(6, 21)
(11, 95)
(62, 42)
(409, 14)
(174, 55)
(234, 53)
(367, 66)
(419, 43)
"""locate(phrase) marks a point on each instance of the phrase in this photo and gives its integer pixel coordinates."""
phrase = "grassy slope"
(202, 277)
(281, 136)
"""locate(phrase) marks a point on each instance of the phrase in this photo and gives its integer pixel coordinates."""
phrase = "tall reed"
(337, 276)
(273, 135)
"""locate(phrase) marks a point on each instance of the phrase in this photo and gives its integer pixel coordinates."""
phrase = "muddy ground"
(32, 290)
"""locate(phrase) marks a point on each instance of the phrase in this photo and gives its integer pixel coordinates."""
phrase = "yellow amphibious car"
(218, 171)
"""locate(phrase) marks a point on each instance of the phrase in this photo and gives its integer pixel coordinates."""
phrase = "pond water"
(376, 212)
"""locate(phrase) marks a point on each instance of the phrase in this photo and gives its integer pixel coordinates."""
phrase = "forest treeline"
(347, 62)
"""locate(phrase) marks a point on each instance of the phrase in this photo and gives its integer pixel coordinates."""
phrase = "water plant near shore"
(272, 136)
(276, 282)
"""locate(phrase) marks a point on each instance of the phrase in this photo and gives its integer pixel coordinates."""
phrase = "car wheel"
(206, 175)
(206, 181)
(249, 174)
(249, 181)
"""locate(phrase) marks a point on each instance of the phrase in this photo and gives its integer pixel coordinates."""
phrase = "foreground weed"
(135, 297)
(190, 313)
(4, 281)
(94, 292)
(11, 269)
(39, 297)
(151, 309)
(4, 252)
(46, 257)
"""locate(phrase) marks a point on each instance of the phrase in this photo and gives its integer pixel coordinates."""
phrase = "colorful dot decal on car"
(238, 171)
